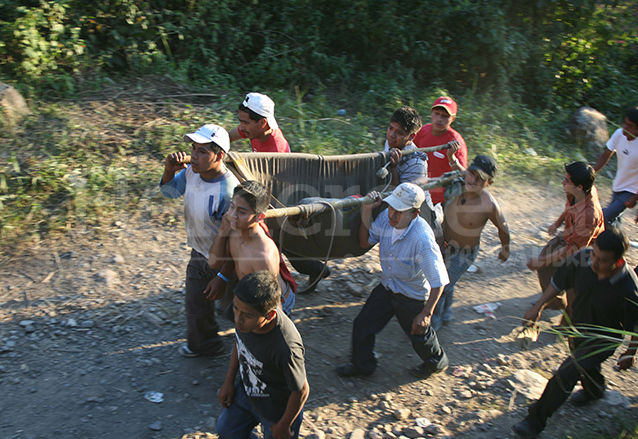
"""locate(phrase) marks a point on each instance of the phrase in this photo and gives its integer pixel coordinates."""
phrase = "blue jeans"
(457, 261)
(239, 420)
(614, 211)
(289, 301)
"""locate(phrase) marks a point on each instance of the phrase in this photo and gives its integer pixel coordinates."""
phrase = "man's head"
(608, 250)
(630, 123)
(209, 144)
(249, 204)
(442, 115)
(404, 124)
(579, 177)
(257, 115)
(480, 173)
(404, 204)
(257, 296)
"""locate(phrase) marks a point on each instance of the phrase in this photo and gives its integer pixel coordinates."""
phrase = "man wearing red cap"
(437, 133)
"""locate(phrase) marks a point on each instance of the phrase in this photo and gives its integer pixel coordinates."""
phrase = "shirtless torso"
(252, 250)
(466, 216)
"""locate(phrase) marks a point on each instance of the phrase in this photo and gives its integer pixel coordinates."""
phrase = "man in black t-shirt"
(606, 298)
(269, 356)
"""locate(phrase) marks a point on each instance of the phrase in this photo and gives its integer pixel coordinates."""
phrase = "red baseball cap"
(447, 103)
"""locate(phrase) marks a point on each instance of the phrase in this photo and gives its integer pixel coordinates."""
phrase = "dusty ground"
(91, 322)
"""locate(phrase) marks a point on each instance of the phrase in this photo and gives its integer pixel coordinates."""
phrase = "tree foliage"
(545, 52)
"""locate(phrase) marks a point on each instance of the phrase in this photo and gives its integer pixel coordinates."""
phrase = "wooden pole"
(353, 202)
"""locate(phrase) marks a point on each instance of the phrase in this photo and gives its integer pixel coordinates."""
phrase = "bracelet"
(224, 278)
(455, 162)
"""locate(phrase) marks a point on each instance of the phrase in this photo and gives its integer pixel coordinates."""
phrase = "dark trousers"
(583, 365)
(378, 310)
(309, 267)
(200, 312)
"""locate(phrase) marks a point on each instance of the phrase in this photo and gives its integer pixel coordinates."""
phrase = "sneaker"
(309, 288)
(185, 351)
(525, 429)
(348, 370)
(581, 398)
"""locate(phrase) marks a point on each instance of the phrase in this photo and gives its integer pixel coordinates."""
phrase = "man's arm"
(234, 134)
(296, 401)
(219, 251)
(227, 391)
(455, 163)
(395, 158)
(366, 219)
(498, 219)
(603, 159)
(216, 288)
(422, 321)
(534, 313)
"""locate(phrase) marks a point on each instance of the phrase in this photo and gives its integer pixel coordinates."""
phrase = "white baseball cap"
(263, 106)
(406, 196)
(210, 133)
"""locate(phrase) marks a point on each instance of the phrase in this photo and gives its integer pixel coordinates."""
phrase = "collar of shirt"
(582, 204)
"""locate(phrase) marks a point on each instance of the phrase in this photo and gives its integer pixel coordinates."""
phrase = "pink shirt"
(275, 143)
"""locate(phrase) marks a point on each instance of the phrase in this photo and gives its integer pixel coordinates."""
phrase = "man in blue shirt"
(413, 277)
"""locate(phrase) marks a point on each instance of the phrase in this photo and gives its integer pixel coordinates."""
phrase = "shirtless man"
(243, 238)
(465, 218)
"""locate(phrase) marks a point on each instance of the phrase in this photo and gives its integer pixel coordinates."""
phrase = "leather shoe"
(309, 287)
(525, 429)
(424, 373)
(581, 398)
(348, 370)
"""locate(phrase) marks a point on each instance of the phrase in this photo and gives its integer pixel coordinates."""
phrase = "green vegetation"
(95, 143)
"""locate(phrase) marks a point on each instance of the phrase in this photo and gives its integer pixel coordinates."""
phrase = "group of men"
(229, 241)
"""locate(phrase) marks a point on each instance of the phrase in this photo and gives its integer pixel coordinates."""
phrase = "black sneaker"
(348, 370)
(424, 373)
(309, 288)
(526, 430)
(582, 397)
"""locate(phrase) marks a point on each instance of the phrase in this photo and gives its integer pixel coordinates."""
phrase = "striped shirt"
(413, 265)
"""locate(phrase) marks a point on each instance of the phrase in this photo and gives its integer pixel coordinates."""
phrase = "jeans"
(614, 211)
(457, 261)
(289, 302)
(238, 420)
(376, 313)
(200, 312)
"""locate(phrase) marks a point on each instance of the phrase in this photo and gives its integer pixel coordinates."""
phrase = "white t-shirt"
(627, 152)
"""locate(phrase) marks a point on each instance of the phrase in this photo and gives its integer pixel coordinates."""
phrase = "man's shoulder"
(420, 231)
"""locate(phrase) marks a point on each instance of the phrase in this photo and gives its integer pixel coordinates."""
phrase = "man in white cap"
(257, 123)
(207, 187)
(412, 280)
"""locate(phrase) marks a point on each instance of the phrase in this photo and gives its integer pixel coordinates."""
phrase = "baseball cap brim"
(397, 204)
(480, 172)
(197, 138)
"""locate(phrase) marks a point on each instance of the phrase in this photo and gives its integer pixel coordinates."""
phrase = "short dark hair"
(260, 290)
(632, 115)
(251, 114)
(256, 195)
(613, 240)
(215, 148)
(408, 118)
(581, 174)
